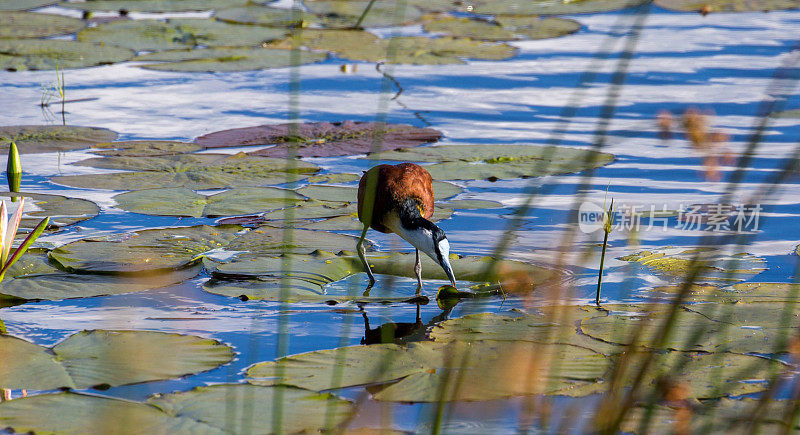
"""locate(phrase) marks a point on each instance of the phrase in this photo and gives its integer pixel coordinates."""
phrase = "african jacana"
(399, 199)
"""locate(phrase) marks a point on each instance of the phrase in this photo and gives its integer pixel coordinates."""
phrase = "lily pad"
(51, 138)
(225, 59)
(193, 171)
(727, 5)
(177, 33)
(345, 13)
(713, 265)
(744, 327)
(159, 250)
(145, 148)
(23, 5)
(535, 27)
(36, 25)
(518, 7)
(788, 114)
(322, 139)
(477, 162)
(350, 222)
(360, 45)
(470, 204)
(429, 372)
(34, 278)
(35, 54)
(266, 16)
(218, 409)
(441, 190)
(180, 201)
(99, 357)
(153, 5)
(332, 178)
(469, 28)
(63, 211)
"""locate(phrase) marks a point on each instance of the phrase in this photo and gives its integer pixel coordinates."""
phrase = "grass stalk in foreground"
(607, 230)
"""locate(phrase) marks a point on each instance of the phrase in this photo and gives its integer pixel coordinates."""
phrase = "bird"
(399, 199)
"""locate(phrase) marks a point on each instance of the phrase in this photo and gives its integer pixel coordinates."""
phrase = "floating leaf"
(177, 33)
(227, 59)
(345, 13)
(144, 251)
(153, 5)
(350, 221)
(789, 114)
(535, 27)
(470, 204)
(727, 5)
(145, 148)
(333, 178)
(79, 413)
(266, 16)
(743, 327)
(112, 358)
(36, 25)
(441, 190)
(243, 408)
(517, 7)
(712, 264)
(35, 54)
(469, 28)
(322, 139)
(429, 372)
(51, 138)
(23, 5)
(34, 278)
(476, 162)
(193, 171)
(62, 211)
(180, 201)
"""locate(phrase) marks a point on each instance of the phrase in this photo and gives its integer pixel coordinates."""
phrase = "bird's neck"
(410, 216)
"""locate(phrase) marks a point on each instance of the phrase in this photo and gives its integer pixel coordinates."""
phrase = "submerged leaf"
(50, 54)
(36, 25)
(477, 162)
(193, 171)
(322, 139)
(50, 138)
(92, 358)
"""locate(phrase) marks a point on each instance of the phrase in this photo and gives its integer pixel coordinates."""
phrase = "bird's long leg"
(418, 271)
(363, 256)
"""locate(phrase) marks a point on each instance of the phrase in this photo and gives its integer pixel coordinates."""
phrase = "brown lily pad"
(322, 139)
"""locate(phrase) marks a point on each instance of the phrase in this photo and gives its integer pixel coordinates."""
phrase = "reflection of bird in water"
(399, 199)
(400, 332)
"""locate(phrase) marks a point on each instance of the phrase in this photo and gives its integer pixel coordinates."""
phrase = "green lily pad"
(23, 5)
(243, 408)
(159, 250)
(180, 201)
(225, 59)
(517, 7)
(535, 27)
(312, 210)
(34, 278)
(218, 409)
(345, 13)
(321, 139)
(145, 148)
(470, 204)
(728, 5)
(35, 25)
(153, 5)
(441, 190)
(62, 211)
(266, 16)
(350, 222)
(51, 138)
(429, 372)
(112, 358)
(177, 33)
(476, 162)
(332, 178)
(741, 292)
(193, 171)
(469, 28)
(79, 413)
(713, 265)
(50, 54)
(790, 114)
(270, 241)
(743, 327)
